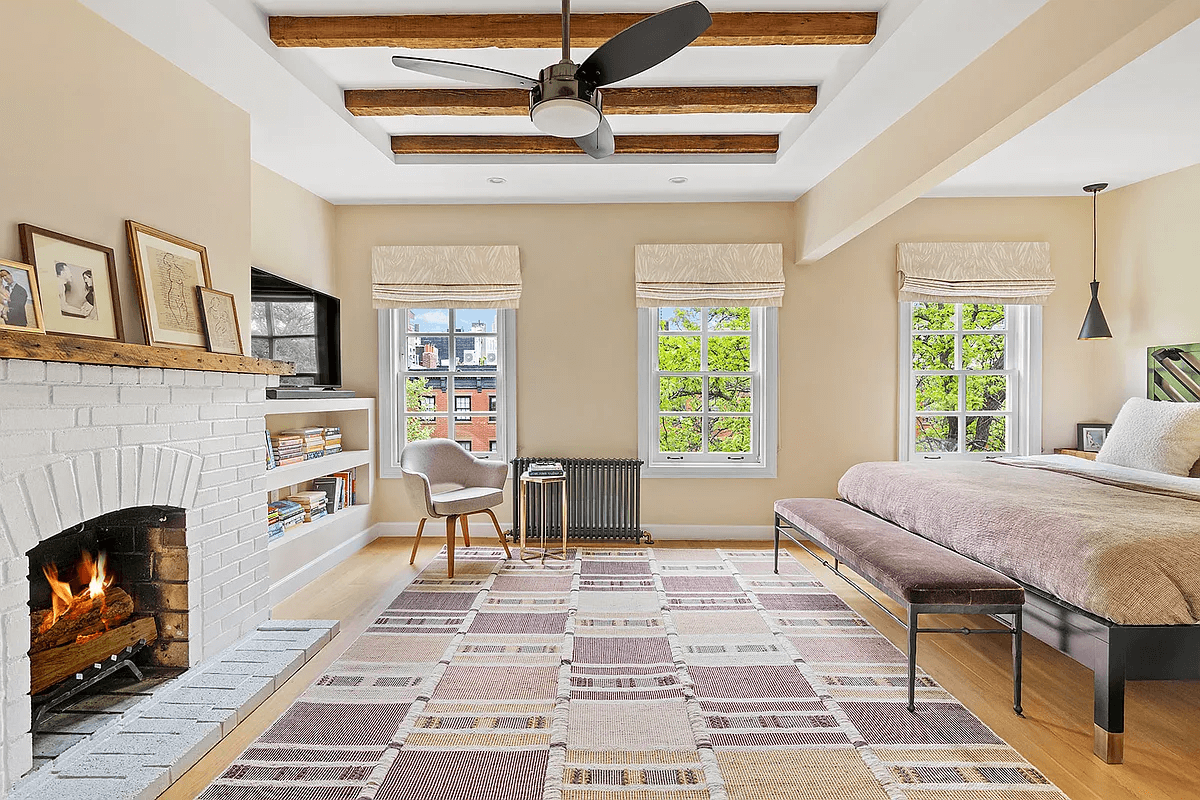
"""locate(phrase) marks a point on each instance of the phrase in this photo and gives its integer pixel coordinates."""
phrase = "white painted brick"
(258, 558)
(237, 586)
(250, 501)
(193, 482)
(248, 472)
(41, 502)
(20, 755)
(214, 379)
(90, 439)
(232, 427)
(83, 416)
(229, 395)
(218, 611)
(218, 444)
(96, 374)
(146, 395)
(179, 475)
(260, 587)
(218, 412)
(215, 544)
(188, 395)
(124, 414)
(26, 444)
(190, 430)
(234, 555)
(36, 419)
(174, 377)
(176, 413)
(236, 457)
(250, 410)
(66, 495)
(26, 371)
(194, 377)
(3, 376)
(16, 396)
(147, 475)
(16, 637)
(208, 564)
(218, 477)
(146, 434)
(204, 497)
(262, 604)
(84, 395)
(163, 475)
(257, 395)
(108, 467)
(236, 618)
(272, 381)
(240, 520)
(88, 483)
(125, 375)
(6, 551)
(57, 372)
(130, 467)
(211, 462)
(150, 376)
(219, 511)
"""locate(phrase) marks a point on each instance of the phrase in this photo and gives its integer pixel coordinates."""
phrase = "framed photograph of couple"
(20, 307)
(78, 281)
(169, 270)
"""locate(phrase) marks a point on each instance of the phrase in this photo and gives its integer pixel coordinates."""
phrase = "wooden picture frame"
(219, 315)
(168, 270)
(19, 298)
(87, 302)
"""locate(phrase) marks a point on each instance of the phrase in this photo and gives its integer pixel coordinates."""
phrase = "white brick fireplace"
(79, 441)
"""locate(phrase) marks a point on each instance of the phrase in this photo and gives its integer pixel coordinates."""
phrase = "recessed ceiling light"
(496, 179)
(678, 179)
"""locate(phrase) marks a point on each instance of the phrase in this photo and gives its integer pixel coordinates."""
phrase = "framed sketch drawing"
(20, 306)
(220, 321)
(80, 281)
(168, 271)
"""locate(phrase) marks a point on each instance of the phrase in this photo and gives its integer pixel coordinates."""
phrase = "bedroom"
(110, 116)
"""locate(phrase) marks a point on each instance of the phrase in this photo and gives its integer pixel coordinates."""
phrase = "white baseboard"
(298, 579)
(758, 533)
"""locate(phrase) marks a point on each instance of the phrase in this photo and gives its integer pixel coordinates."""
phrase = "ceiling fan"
(565, 99)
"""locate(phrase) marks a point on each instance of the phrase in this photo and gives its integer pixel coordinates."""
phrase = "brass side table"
(544, 483)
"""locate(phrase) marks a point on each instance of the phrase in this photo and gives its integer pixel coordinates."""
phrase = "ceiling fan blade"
(645, 44)
(600, 142)
(484, 76)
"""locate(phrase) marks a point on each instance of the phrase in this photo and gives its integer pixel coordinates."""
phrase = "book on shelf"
(545, 469)
(349, 485)
(313, 503)
(333, 487)
(283, 514)
(271, 461)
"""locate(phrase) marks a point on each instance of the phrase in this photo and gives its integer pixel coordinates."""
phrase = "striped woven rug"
(635, 674)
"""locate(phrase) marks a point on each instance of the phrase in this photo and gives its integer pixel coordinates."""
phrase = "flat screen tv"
(291, 322)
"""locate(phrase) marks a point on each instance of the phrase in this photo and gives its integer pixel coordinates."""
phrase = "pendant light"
(1094, 324)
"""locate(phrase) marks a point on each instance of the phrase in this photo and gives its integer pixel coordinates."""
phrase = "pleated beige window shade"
(975, 272)
(709, 275)
(459, 276)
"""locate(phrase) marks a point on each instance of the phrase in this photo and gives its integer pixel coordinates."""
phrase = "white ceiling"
(1141, 121)
(301, 129)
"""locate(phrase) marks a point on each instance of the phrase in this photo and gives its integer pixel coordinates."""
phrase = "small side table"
(544, 482)
(1070, 451)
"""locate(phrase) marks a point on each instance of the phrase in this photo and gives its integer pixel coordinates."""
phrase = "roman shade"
(709, 275)
(975, 272)
(459, 276)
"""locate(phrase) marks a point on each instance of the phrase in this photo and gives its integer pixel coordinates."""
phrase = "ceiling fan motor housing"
(562, 105)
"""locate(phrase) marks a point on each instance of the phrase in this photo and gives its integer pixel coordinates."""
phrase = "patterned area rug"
(638, 674)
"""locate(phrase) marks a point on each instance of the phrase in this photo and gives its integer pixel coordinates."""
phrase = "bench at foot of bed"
(924, 577)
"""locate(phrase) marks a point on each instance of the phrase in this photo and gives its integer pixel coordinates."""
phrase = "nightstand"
(1068, 451)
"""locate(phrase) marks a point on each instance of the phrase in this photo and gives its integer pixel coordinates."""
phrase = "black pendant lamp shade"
(1094, 324)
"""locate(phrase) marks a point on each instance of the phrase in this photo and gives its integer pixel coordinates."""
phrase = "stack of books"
(333, 441)
(313, 440)
(287, 448)
(545, 469)
(313, 504)
(281, 515)
(334, 487)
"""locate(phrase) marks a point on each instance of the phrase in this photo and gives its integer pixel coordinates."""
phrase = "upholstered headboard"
(1174, 373)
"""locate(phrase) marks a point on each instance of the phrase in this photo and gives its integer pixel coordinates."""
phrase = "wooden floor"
(1162, 743)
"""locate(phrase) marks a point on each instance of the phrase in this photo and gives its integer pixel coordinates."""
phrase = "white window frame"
(764, 360)
(393, 357)
(1023, 357)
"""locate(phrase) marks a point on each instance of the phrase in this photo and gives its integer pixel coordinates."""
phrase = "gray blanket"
(1125, 552)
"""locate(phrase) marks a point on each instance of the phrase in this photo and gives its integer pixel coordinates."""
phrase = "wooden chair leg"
(451, 521)
(420, 527)
(500, 533)
(466, 530)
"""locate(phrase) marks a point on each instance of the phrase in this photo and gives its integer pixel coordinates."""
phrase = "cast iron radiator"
(604, 499)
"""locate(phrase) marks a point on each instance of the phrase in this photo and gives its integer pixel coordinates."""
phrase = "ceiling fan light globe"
(567, 117)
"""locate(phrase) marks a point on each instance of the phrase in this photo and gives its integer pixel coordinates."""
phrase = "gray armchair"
(444, 480)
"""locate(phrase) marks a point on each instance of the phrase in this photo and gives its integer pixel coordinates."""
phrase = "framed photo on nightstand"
(1090, 436)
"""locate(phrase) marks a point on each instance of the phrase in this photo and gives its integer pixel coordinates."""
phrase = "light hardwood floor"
(1162, 744)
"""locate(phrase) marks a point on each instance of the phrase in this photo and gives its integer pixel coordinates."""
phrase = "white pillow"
(1154, 435)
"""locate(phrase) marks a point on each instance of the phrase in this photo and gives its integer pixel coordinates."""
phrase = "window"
(708, 402)
(285, 331)
(971, 380)
(465, 444)
(430, 355)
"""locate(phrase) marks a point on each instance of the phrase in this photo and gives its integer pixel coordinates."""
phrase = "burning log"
(83, 617)
(48, 667)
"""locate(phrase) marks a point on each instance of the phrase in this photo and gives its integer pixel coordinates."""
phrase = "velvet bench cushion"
(905, 566)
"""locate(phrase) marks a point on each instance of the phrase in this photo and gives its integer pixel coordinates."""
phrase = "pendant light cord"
(1094, 235)
(566, 30)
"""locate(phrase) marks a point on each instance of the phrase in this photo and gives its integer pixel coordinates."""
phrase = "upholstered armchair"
(445, 480)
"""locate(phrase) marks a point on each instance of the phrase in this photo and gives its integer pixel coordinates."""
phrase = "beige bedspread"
(1122, 544)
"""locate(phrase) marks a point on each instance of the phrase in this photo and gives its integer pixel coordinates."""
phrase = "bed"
(1109, 556)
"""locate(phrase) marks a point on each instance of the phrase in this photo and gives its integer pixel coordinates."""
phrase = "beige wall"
(291, 230)
(577, 333)
(98, 129)
(1149, 271)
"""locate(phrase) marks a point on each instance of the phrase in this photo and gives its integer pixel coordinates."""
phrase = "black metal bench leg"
(1017, 662)
(776, 544)
(913, 617)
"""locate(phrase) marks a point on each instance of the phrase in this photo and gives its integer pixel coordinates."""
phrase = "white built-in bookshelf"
(306, 551)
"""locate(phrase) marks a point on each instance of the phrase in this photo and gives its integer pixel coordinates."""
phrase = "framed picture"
(20, 306)
(83, 275)
(220, 321)
(168, 270)
(1090, 436)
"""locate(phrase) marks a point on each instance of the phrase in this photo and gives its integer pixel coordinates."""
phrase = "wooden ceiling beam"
(658, 144)
(544, 31)
(640, 100)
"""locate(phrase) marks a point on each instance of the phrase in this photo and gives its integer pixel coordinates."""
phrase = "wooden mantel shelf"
(49, 347)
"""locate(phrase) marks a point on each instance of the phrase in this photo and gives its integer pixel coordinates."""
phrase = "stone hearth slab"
(152, 744)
